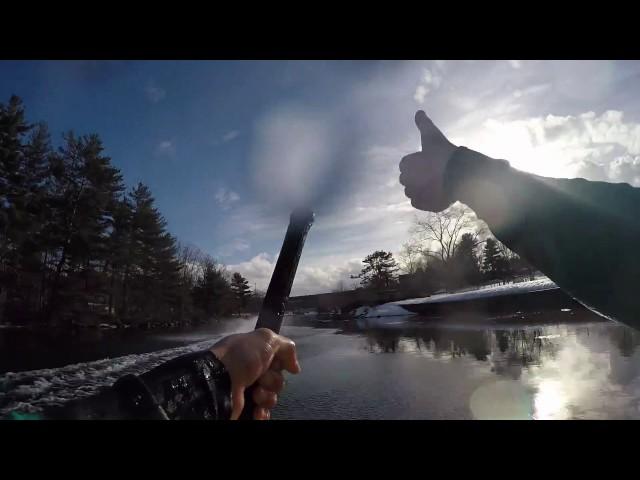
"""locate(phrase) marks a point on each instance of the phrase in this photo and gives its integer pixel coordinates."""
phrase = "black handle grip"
(275, 301)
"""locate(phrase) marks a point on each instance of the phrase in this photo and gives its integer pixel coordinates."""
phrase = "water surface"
(385, 368)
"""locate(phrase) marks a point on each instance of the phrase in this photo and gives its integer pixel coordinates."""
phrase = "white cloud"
(226, 197)
(421, 93)
(257, 270)
(325, 277)
(515, 64)
(431, 80)
(596, 147)
(166, 147)
(227, 137)
(317, 277)
(234, 246)
(154, 94)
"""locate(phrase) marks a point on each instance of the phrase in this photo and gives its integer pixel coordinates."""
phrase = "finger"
(408, 180)
(237, 401)
(276, 365)
(260, 413)
(272, 380)
(410, 161)
(411, 192)
(426, 127)
(285, 353)
(264, 398)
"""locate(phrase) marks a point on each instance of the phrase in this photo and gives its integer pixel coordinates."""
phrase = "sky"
(230, 147)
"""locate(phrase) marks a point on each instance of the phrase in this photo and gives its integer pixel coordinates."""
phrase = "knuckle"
(404, 162)
(265, 334)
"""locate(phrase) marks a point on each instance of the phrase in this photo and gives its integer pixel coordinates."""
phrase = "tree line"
(78, 247)
(447, 250)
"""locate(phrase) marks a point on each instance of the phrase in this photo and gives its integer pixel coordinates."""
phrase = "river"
(384, 368)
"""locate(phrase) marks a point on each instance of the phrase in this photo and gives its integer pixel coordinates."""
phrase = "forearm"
(583, 235)
(193, 386)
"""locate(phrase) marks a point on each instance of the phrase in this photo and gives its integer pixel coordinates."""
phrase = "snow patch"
(486, 292)
(395, 309)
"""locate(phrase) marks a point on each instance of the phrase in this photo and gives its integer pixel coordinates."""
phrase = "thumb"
(426, 127)
(428, 131)
(286, 356)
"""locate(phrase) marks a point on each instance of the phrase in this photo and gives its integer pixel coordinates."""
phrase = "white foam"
(31, 391)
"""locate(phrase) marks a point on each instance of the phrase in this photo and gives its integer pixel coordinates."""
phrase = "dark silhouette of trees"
(241, 290)
(212, 293)
(379, 271)
(76, 248)
(501, 264)
(491, 259)
(464, 266)
(444, 254)
(438, 233)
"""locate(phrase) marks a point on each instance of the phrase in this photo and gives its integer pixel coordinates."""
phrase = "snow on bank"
(536, 285)
(395, 309)
(392, 309)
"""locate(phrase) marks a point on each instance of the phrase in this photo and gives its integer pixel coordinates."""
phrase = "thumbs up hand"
(422, 173)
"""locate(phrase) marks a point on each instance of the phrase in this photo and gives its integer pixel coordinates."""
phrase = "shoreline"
(102, 327)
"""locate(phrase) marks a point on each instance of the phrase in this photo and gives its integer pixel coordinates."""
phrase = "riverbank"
(82, 327)
(533, 301)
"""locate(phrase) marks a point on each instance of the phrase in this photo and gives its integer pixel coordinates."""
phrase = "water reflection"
(574, 368)
(554, 367)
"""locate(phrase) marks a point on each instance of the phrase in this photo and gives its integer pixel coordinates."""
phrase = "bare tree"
(190, 258)
(411, 257)
(438, 233)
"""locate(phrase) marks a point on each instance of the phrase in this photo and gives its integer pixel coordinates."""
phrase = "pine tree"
(151, 269)
(494, 264)
(212, 293)
(379, 271)
(73, 244)
(241, 289)
(119, 248)
(13, 129)
(464, 266)
(84, 195)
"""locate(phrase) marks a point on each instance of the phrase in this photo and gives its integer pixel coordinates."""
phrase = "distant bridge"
(341, 301)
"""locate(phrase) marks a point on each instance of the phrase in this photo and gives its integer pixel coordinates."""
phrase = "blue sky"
(229, 147)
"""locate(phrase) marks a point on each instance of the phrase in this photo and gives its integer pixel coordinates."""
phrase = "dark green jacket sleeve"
(585, 236)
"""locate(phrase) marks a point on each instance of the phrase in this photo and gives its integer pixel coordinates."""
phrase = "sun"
(514, 141)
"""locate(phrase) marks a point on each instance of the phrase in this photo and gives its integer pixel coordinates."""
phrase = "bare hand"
(256, 357)
(422, 173)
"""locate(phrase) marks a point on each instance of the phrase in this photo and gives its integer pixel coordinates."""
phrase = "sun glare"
(513, 141)
(550, 402)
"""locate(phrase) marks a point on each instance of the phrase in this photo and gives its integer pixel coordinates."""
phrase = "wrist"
(470, 175)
